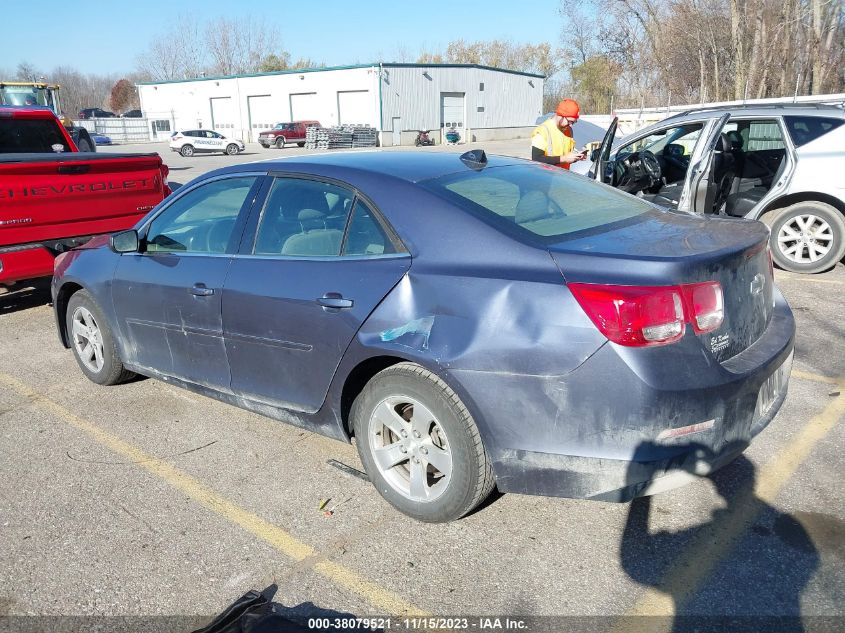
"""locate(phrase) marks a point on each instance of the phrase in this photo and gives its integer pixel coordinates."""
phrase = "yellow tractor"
(35, 93)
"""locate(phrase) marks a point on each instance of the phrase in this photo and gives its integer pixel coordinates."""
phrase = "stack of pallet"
(364, 136)
(340, 137)
(311, 137)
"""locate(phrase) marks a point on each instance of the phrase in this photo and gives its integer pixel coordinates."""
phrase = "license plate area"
(772, 388)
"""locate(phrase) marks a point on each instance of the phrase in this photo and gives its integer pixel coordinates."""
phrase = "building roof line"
(300, 71)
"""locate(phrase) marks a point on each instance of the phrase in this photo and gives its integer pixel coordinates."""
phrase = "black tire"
(301, 144)
(84, 145)
(791, 220)
(471, 476)
(187, 150)
(232, 149)
(112, 371)
(280, 142)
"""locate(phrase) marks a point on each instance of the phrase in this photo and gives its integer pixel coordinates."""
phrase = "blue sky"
(333, 31)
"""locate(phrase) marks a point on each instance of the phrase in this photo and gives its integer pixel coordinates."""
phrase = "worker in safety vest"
(552, 142)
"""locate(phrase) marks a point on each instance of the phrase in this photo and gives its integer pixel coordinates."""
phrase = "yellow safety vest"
(554, 142)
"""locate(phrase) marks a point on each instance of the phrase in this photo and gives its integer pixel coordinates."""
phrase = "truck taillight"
(644, 316)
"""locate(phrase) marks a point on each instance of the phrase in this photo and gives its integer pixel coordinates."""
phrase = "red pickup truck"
(53, 198)
(283, 133)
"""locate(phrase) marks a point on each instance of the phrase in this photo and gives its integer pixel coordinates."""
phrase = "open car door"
(701, 187)
(601, 169)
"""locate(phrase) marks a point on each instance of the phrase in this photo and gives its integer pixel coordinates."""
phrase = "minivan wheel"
(807, 237)
(92, 342)
(280, 142)
(420, 445)
(187, 150)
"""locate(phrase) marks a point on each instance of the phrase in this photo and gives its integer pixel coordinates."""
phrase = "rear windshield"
(547, 202)
(30, 135)
(804, 129)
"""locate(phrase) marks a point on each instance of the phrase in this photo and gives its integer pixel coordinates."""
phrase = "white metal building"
(397, 99)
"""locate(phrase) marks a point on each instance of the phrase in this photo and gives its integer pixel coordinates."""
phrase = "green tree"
(594, 83)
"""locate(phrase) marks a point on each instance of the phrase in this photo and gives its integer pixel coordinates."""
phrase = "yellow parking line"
(716, 540)
(805, 375)
(383, 600)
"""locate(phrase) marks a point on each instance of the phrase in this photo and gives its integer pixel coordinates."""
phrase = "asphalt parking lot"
(146, 500)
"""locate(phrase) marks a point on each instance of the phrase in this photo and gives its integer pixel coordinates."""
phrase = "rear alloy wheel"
(232, 149)
(420, 445)
(280, 142)
(807, 237)
(187, 150)
(92, 343)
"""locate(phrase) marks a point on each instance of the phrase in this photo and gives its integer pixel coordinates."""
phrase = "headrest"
(673, 149)
(311, 219)
(735, 139)
(310, 214)
(724, 144)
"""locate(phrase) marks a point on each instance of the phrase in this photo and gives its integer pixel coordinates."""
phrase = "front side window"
(202, 220)
(683, 138)
(536, 200)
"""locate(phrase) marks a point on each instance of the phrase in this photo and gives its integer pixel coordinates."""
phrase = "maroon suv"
(286, 133)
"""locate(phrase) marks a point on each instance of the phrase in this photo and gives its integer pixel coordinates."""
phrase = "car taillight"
(643, 316)
(705, 305)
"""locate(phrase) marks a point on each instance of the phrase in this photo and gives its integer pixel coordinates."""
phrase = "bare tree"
(238, 46)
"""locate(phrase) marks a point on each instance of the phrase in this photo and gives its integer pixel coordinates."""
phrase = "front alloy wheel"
(87, 339)
(92, 342)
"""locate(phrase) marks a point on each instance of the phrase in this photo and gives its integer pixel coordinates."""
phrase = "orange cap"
(568, 108)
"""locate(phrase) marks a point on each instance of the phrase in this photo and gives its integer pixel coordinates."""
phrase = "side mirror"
(594, 155)
(124, 242)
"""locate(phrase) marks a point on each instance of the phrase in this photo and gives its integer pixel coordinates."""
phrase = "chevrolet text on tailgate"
(53, 198)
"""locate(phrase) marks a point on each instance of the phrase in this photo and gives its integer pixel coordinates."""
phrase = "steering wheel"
(651, 165)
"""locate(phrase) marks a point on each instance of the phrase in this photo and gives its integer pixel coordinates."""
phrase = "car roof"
(789, 109)
(412, 166)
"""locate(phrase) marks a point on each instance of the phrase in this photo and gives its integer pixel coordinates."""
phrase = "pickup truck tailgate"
(49, 196)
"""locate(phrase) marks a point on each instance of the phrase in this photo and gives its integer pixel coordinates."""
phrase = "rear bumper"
(631, 422)
(25, 263)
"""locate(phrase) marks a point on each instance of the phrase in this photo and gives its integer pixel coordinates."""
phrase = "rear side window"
(30, 135)
(544, 201)
(804, 129)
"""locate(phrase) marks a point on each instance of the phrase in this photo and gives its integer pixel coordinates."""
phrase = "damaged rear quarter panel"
(493, 339)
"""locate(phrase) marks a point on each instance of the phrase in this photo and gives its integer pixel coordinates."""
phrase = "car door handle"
(334, 300)
(199, 290)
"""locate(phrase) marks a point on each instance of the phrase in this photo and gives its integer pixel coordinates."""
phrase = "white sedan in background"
(190, 142)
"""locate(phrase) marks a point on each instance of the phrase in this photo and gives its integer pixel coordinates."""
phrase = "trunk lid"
(669, 248)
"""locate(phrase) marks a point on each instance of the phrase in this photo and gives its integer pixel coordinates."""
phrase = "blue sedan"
(473, 322)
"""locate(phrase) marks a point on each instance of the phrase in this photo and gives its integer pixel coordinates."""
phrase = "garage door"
(303, 106)
(262, 115)
(223, 115)
(452, 109)
(354, 106)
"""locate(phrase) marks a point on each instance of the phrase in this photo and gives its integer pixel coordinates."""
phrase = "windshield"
(23, 96)
(543, 201)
